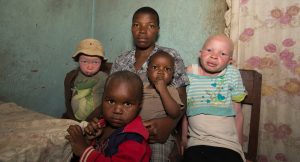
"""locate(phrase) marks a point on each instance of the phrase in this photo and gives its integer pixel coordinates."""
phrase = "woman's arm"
(160, 129)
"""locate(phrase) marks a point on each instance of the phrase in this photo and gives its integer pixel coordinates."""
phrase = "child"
(120, 134)
(160, 100)
(84, 86)
(214, 114)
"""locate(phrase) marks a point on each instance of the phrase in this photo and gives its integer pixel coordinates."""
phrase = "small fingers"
(92, 128)
(95, 120)
(93, 125)
(69, 138)
(74, 129)
(88, 131)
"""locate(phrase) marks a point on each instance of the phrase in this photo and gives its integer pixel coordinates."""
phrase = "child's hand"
(160, 83)
(93, 129)
(76, 139)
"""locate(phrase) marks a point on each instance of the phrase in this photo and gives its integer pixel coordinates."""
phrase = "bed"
(31, 136)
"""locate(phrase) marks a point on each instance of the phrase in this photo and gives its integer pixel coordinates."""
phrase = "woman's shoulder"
(126, 54)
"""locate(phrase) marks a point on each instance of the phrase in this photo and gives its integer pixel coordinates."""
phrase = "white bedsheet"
(30, 136)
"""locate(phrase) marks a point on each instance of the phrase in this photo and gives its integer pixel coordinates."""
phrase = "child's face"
(215, 55)
(120, 103)
(89, 65)
(161, 68)
(144, 30)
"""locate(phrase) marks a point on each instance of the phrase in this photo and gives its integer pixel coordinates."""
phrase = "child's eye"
(111, 102)
(154, 67)
(152, 26)
(208, 50)
(127, 104)
(168, 69)
(135, 25)
(96, 62)
(83, 61)
(224, 54)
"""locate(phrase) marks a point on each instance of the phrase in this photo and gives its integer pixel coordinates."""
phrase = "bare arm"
(160, 129)
(183, 97)
(183, 128)
(170, 105)
(184, 134)
(94, 128)
(76, 139)
(239, 120)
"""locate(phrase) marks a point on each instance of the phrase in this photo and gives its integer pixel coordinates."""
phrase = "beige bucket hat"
(90, 47)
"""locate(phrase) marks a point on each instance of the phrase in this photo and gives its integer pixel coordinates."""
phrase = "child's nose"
(89, 66)
(160, 71)
(214, 55)
(118, 109)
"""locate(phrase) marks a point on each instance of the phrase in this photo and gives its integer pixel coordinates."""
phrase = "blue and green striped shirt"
(213, 95)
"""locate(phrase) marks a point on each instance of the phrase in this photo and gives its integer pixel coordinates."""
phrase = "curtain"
(266, 34)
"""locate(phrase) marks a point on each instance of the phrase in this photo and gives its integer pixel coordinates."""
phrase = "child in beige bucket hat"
(84, 86)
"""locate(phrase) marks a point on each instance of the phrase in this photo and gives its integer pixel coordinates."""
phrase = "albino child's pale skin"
(89, 65)
(215, 55)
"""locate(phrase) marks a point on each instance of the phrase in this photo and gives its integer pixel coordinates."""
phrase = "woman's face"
(89, 65)
(144, 30)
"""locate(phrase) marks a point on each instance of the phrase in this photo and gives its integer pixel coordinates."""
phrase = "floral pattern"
(266, 37)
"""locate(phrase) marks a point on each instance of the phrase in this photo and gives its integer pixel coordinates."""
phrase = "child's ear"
(230, 60)
(139, 108)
